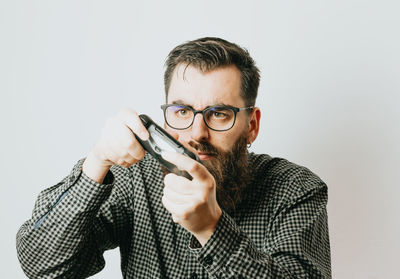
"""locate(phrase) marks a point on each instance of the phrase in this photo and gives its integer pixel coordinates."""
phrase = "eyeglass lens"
(217, 118)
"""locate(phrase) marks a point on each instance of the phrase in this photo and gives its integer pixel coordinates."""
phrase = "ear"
(254, 124)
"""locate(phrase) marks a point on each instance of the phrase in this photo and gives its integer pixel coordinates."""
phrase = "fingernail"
(144, 135)
(165, 155)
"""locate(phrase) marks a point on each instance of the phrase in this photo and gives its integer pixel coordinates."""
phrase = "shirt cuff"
(89, 192)
(215, 254)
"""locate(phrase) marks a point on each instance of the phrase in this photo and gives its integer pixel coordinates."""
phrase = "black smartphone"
(159, 141)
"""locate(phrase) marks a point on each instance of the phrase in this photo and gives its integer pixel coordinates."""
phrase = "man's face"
(223, 153)
(200, 90)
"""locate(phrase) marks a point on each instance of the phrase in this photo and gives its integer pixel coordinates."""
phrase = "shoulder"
(284, 179)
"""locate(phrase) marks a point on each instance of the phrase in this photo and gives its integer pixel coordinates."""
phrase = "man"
(241, 216)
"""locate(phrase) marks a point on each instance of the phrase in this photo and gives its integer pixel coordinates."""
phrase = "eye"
(182, 111)
(219, 114)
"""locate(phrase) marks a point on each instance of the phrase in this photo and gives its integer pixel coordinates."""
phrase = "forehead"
(201, 89)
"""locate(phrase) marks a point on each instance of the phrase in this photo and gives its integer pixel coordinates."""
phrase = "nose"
(200, 130)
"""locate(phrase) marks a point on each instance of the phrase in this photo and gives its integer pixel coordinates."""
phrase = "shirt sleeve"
(296, 245)
(72, 224)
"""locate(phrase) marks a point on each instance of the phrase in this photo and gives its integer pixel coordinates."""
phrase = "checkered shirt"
(280, 230)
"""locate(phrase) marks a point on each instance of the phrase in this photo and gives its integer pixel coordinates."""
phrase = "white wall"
(329, 98)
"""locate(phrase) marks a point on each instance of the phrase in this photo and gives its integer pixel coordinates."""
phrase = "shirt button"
(49, 206)
(72, 178)
(208, 260)
(193, 275)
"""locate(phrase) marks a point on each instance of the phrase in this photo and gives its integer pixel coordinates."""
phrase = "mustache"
(204, 147)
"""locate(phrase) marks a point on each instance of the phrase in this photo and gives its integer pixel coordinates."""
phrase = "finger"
(128, 145)
(119, 153)
(130, 160)
(175, 218)
(174, 197)
(132, 120)
(180, 211)
(136, 150)
(169, 206)
(124, 164)
(183, 162)
(178, 184)
(125, 161)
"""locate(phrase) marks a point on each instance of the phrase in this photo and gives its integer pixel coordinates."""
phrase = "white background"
(329, 97)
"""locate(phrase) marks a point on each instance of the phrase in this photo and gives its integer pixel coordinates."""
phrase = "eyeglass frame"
(195, 112)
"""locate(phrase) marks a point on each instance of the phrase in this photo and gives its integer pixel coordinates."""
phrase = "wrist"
(95, 168)
(204, 235)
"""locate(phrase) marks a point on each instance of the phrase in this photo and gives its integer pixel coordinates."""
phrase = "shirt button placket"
(208, 260)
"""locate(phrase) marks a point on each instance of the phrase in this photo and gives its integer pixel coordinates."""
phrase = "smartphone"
(159, 141)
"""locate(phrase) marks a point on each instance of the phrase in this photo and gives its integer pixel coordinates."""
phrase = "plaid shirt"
(280, 231)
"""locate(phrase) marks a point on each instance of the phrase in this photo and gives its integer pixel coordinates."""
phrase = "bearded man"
(242, 215)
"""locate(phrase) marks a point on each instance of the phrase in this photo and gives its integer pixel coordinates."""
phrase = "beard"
(230, 170)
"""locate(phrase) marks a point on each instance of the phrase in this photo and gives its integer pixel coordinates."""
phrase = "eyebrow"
(182, 103)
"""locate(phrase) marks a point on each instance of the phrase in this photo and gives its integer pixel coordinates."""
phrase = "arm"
(296, 246)
(72, 224)
(76, 220)
(287, 210)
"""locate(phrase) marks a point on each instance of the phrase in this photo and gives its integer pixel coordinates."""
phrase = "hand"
(192, 203)
(116, 145)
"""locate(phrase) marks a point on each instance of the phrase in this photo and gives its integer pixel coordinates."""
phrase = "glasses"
(217, 118)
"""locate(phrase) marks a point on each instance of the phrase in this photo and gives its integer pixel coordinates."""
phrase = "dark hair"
(210, 53)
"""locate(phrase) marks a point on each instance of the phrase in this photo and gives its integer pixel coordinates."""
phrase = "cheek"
(224, 141)
(172, 132)
(180, 135)
(227, 139)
